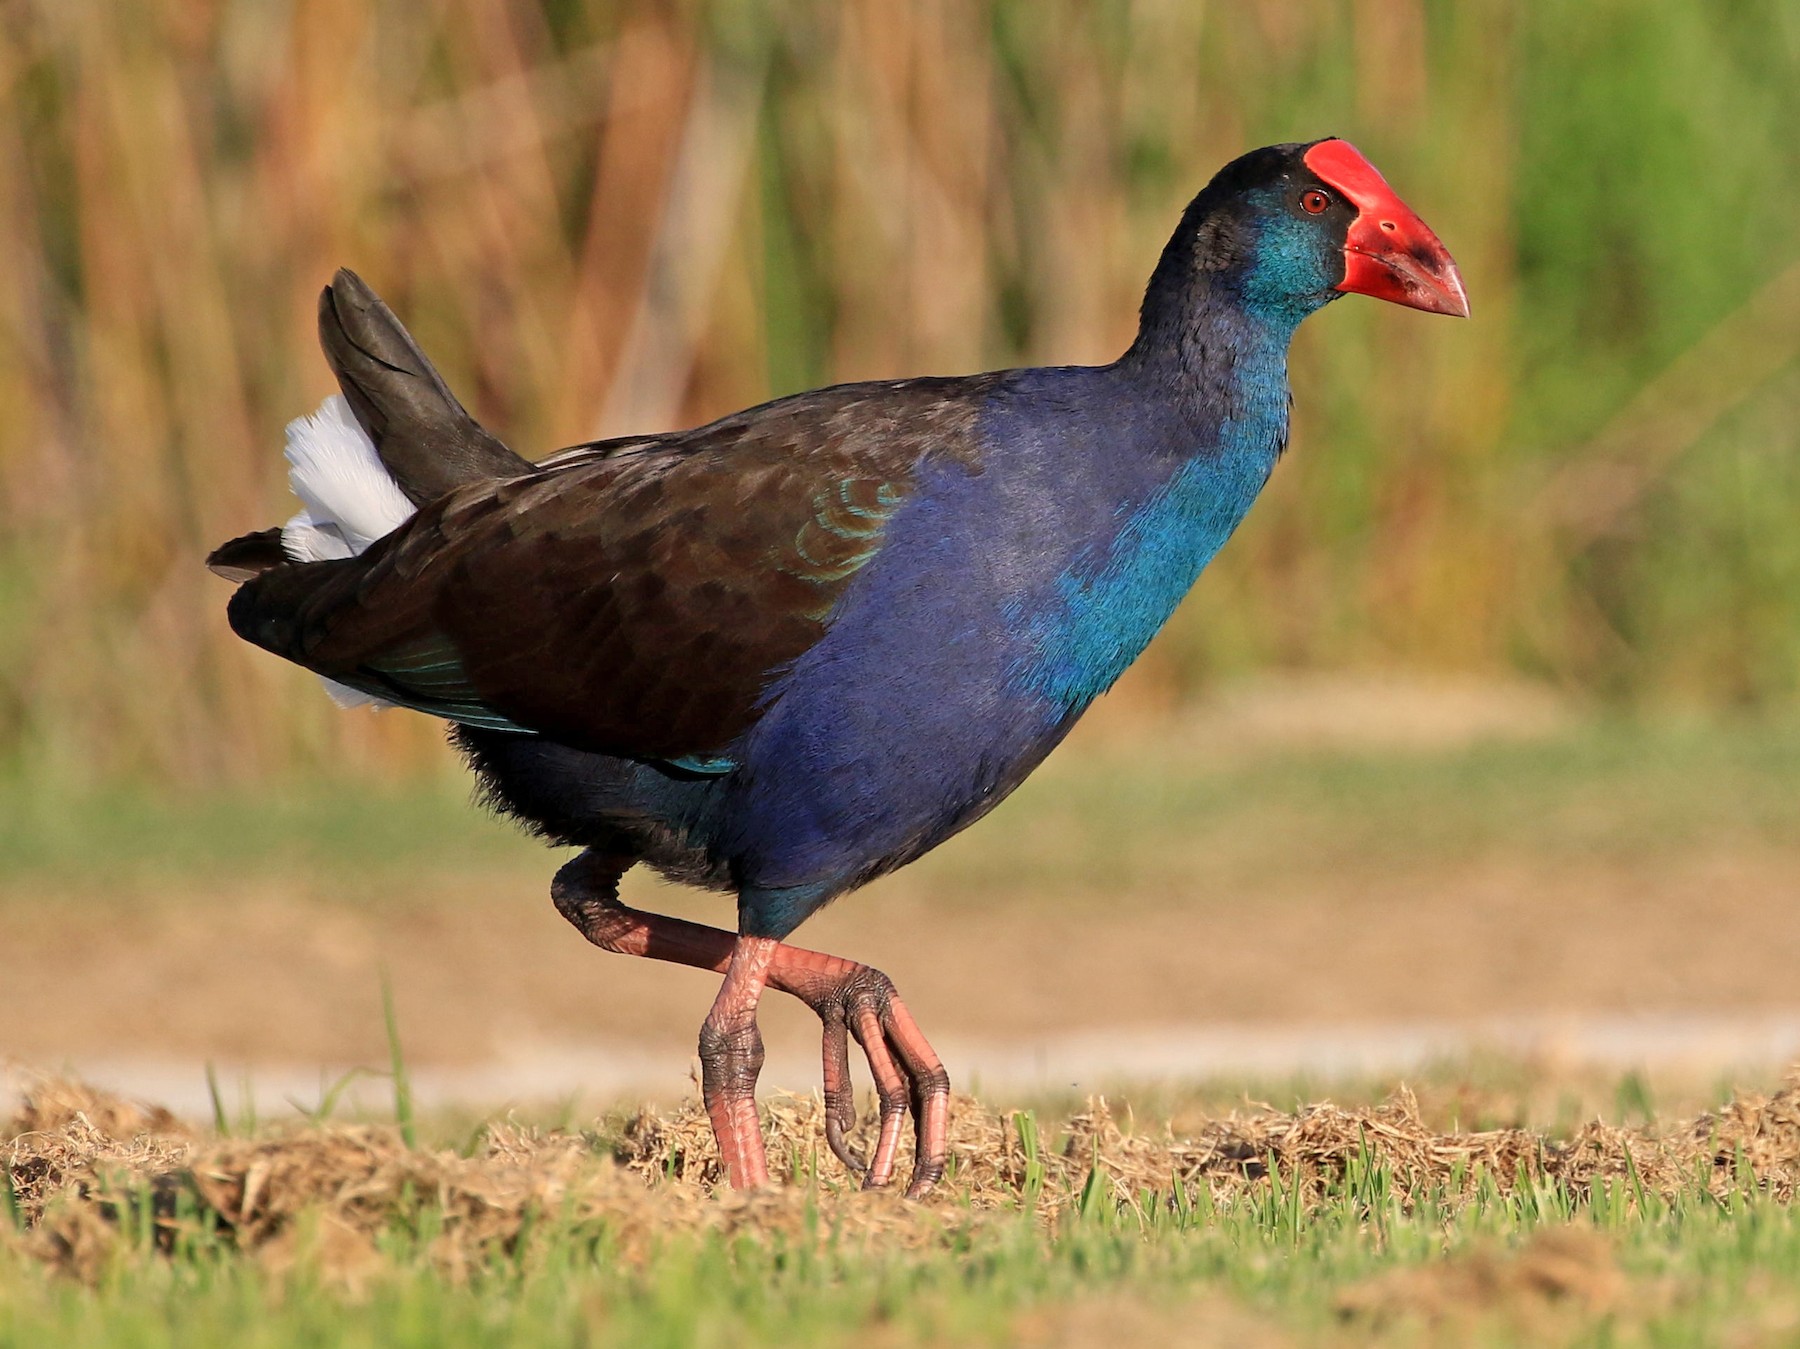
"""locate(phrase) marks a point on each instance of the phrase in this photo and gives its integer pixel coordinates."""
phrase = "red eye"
(1314, 201)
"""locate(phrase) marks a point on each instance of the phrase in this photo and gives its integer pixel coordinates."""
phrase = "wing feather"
(638, 601)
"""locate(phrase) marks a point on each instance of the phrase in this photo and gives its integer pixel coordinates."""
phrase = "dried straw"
(78, 1158)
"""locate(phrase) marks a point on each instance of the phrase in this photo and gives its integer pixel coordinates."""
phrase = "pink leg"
(848, 997)
(731, 1056)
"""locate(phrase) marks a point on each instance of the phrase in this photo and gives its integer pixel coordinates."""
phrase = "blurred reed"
(601, 217)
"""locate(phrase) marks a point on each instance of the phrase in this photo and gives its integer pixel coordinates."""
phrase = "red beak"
(1389, 252)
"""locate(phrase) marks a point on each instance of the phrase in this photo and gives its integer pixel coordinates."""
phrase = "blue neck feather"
(1216, 355)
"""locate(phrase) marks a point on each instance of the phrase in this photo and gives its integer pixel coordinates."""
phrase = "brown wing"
(633, 599)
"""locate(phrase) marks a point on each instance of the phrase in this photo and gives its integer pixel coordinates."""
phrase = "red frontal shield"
(1389, 252)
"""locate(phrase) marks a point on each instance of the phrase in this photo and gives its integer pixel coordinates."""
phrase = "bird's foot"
(849, 998)
(856, 1000)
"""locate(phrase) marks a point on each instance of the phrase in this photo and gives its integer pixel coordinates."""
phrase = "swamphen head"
(1284, 230)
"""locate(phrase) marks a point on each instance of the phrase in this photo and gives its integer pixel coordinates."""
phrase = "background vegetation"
(603, 215)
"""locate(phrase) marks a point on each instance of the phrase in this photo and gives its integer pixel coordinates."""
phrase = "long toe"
(930, 1097)
(840, 1097)
(891, 1089)
(862, 1001)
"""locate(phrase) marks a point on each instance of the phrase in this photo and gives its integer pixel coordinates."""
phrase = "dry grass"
(78, 1159)
(996, 1164)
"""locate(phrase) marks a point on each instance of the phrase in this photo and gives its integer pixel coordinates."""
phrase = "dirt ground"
(282, 974)
(281, 970)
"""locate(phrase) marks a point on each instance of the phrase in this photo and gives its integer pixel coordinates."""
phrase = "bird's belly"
(849, 787)
(588, 800)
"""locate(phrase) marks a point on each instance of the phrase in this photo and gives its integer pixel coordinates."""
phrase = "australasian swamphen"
(792, 650)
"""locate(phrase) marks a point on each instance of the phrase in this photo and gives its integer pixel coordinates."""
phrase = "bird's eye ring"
(1314, 201)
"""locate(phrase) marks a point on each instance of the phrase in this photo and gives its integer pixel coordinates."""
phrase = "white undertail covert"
(349, 500)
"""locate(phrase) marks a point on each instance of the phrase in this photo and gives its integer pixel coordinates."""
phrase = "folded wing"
(638, 598)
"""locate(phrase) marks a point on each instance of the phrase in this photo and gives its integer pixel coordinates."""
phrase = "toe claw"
(840, 1147)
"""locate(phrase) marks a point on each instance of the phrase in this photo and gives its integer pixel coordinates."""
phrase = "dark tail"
(250, 555)
(277, 608)
(427, 440)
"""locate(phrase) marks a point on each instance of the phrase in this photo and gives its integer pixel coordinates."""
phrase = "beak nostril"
(1388, 225)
